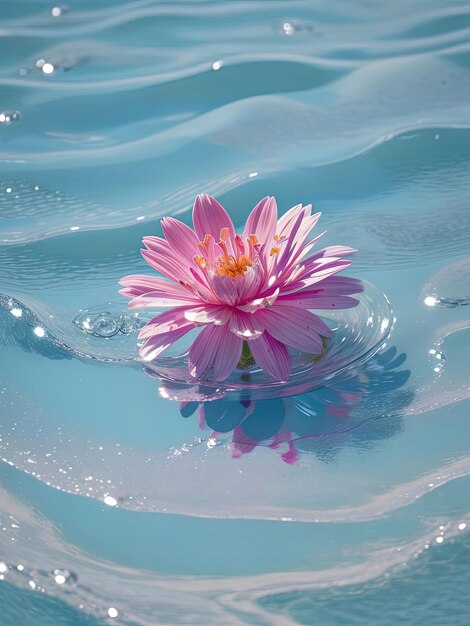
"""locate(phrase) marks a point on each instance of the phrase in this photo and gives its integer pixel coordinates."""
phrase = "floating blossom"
(256, 287)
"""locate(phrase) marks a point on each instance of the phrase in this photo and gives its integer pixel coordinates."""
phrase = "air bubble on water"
(130, 323)
(106, 324)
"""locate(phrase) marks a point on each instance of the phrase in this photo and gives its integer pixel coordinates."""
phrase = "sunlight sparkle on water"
(430, 301)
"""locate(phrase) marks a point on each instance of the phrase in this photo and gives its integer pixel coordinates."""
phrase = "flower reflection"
(358, 409)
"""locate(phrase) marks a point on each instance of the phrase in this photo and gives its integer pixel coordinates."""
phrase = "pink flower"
(256, 287)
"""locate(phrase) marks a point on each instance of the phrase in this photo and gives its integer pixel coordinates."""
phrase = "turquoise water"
(345, 505)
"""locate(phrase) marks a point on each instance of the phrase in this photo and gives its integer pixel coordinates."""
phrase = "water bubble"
(130, 323)
(105, 325)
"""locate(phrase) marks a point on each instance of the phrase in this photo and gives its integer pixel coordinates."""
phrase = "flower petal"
(156, 344)
(323, 270)
(248, 286)
(228, 353)
(331, 253)
(287, 220)
(218, 315)
(245, 325)
(181, 238)
(295, 327)
(164, 323)
(156, 299)
(216, 349)
(272, 356)
(340, 285)
(209, 217)
(224, 289)
(262, 221)
(137, 285)
(313, 300)
(167, 263)
(265, 301)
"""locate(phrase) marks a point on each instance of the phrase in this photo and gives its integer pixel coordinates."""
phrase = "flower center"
(233, 267)
(232, 256)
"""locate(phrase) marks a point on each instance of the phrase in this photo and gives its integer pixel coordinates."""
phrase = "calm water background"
(348, 505)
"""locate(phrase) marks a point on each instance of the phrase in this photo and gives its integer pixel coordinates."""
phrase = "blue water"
(345, 505)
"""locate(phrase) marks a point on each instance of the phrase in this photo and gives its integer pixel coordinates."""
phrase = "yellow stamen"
(205, 242)
(223, 246)
(232, 267)
(276, 237)
(253, 239)
(201, 261)
(224, 234)
(275, 251)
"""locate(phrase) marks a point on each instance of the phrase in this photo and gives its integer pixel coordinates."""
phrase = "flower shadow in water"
(359, 409)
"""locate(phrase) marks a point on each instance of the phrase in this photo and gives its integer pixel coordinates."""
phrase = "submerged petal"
(272, 356)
